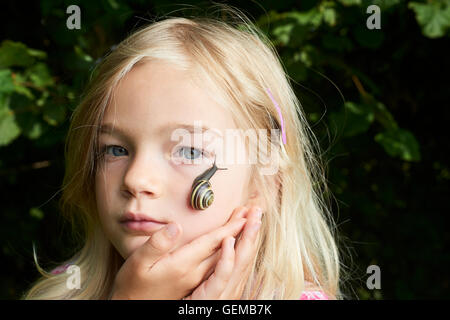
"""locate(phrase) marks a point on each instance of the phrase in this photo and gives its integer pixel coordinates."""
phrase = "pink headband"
(279, 114)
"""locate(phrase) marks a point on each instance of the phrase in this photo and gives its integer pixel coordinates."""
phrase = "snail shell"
(202, 195)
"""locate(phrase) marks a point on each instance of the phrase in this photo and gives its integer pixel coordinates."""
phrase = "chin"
(128, 246)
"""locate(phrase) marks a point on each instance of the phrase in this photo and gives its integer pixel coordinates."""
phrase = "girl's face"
(144, 171)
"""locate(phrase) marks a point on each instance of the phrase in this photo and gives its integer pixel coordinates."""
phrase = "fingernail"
(171, 230)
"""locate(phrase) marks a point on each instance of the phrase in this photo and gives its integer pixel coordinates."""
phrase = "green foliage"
(27, 88)
(353, 83)
(9, 130)
(354, 119)
(433, 17)
(297, 34)
(329, 52)
(16, 54)
(399, 143)
(36, 213)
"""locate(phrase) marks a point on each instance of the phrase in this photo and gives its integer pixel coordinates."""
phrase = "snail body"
(202, 195)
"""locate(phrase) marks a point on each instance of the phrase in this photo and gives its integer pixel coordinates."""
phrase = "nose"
(143, 177)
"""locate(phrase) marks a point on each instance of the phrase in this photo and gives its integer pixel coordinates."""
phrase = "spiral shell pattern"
(202, 196)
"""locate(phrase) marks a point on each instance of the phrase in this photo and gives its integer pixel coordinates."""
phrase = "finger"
(202, 275)
(247, 264)
(192, 254)
(241, 273)
(247, 243)
(207, 266)
(159, 244)
(239, 212)
(246, 250)
(248, 238)
(217, 283)
(207, 244)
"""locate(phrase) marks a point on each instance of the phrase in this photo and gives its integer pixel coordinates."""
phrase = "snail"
(202, 195)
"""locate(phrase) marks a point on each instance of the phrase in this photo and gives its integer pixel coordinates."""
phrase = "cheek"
(103, 192)
(228, 195)
(99, 194)
(231, 188)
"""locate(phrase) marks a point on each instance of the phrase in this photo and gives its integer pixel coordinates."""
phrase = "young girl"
(124, 168)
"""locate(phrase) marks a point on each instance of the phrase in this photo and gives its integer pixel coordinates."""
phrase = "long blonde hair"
(297, 243)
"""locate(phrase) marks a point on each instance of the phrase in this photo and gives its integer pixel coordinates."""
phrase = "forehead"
(153, 94)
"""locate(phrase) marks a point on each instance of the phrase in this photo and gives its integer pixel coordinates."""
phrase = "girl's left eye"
(191, 153)
(113, 147)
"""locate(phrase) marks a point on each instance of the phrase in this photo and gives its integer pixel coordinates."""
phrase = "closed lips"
(138, 217)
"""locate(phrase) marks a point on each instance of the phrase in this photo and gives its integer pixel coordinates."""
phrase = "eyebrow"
(109, 128)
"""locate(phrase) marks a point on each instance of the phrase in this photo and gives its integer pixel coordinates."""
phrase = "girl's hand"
(234, 267)
(153, 272)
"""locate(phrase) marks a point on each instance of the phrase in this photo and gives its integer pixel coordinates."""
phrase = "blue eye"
(187, 153)
(190, 153)
(113, 147)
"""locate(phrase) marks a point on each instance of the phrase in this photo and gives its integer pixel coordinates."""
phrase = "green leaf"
(84, 56)
(35, 131)
(283, 33)
(399, 143)
(14, 54)
(20, 88)
(433, 17)
(54, 114)
(36, 213)
(37, 53)
(24, 91)
(353, 120)
(113, 4)
(9, 130)
(6, 81)
(307, 55)
(296, 68)
(384, 117)
(40, 75)
(383, 4)
(30, 124)
(4, 101)
(269, 18)
(350, 2)
(329, 16)
(41, 101)
(311, 17)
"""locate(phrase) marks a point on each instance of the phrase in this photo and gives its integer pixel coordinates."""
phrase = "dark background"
(377, 100)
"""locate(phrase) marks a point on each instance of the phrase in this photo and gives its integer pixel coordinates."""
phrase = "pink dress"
(313, 295)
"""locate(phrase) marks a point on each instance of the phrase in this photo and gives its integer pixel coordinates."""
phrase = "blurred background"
(377, 100)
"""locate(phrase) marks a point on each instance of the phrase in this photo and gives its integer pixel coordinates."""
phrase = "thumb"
(160, 242)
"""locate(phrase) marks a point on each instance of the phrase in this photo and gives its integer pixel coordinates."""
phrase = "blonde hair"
(297, 242)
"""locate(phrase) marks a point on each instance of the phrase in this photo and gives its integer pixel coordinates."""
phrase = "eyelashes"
(179, 152)
(200, 152)
(105, 148)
